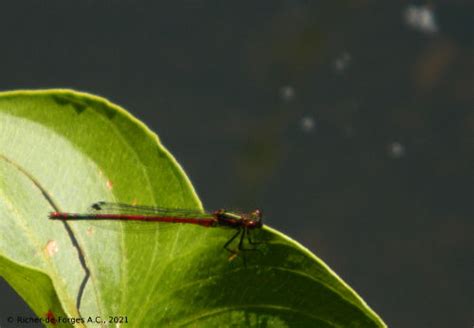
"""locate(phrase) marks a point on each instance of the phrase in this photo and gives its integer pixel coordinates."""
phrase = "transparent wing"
(91, 220)
(122, 208)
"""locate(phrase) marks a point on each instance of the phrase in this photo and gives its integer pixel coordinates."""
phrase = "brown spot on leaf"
(51, 318)
(51, 247)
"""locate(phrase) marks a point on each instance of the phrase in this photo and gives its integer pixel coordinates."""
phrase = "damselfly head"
(255, 219)
(257, 214)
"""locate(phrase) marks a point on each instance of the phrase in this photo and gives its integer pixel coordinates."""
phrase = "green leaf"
(36, 288)
(62, 150)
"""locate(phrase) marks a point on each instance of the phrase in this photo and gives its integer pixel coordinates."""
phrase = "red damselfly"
(243, 223)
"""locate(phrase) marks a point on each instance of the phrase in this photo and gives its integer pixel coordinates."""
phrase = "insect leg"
(226, 246)
(248, 232)
(251, 242)
(241, 242)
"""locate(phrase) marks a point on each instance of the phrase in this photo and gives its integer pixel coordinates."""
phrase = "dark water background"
(351, 123)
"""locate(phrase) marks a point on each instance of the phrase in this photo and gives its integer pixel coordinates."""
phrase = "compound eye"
(250, 224)
(258, 214)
